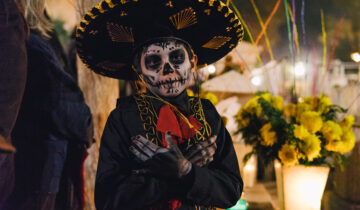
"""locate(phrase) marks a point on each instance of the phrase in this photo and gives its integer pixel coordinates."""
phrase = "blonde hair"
(83, 6)
(34, 13)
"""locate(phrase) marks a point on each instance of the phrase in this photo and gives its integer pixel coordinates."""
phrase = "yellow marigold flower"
(300, 132)
(266, 127)
(245, 122)
(310, 100)
(331, 130)
(333, 145)
(190, 92)
(277, 102)
(290, 110)
(347, 122)
(251, 103)
(347, 141)
(323, 104)
(265, 96)
(300, 109)
(344, 145)
(239, 114)
(287, 155)
(269, 137)
(311, 146)
(311, 121)
(301, 156)
(253, 107)
(242, 121)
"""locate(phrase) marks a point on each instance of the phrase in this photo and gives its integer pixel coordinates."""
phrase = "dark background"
(334, 10)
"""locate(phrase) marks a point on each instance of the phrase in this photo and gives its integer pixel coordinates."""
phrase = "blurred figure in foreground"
(53, 128)
(13, 61)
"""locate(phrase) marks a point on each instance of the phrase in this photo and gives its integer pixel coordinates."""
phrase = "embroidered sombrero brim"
(107, 35)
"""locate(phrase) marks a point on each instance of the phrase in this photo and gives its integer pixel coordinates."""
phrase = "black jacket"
(216, 185)
(13, 61)
(53, 115)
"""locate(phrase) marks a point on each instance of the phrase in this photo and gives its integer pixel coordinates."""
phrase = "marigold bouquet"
(310, 132)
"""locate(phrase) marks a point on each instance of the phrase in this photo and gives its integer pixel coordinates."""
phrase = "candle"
(249, 175)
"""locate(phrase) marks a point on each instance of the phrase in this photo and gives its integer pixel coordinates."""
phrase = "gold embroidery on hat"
(110, 4)
(124, 1)
(169, 4)
(231, 46)
(99, 7)
(239, 30)
(233, 19)
(78, 35)
(220, 6)
(123, 13)
(228, 29)
(81, 28)
(135, 0)
(211, 3)
(93, 32)
(201, 0)
(237, 24)
(184, 18)
(92, 16)
(216, 42)
(119, 33)
(228, 13)
(85, 22)
(207, 11)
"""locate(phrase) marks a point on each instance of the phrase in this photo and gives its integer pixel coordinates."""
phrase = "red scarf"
(180, 131)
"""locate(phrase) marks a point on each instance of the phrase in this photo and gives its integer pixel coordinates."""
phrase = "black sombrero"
(109, 33)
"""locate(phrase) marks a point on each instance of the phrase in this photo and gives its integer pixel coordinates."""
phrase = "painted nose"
(167, 69)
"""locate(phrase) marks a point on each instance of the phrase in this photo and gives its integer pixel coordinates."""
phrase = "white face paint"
(166, 68)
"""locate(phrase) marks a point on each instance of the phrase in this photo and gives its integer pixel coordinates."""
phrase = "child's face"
(166, 68)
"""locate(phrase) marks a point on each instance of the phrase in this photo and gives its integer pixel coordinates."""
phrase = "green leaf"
(248, 156)
(259, 93)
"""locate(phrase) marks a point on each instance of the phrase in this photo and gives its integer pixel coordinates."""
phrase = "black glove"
(202, 153)
(165, 162)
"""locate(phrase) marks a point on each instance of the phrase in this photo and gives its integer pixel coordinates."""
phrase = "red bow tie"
(180, 129)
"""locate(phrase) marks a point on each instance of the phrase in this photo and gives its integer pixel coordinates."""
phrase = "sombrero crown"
(109, 33)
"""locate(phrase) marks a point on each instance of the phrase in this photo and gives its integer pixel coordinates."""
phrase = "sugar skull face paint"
(166, 68)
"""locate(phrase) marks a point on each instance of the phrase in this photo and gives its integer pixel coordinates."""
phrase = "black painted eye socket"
(177, 57)
(153, 62)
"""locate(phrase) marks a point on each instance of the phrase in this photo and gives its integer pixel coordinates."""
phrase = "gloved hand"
(165, 162)
(202, 153)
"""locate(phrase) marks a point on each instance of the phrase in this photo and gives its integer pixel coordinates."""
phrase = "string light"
(355, 56)
(299, 69)
(211, 69)
(256, 80)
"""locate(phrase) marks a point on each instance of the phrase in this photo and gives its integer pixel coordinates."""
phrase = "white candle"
(249, 175)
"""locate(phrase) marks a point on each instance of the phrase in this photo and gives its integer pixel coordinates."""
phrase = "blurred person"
(53, 128)
(13, 61)
(162, 149)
